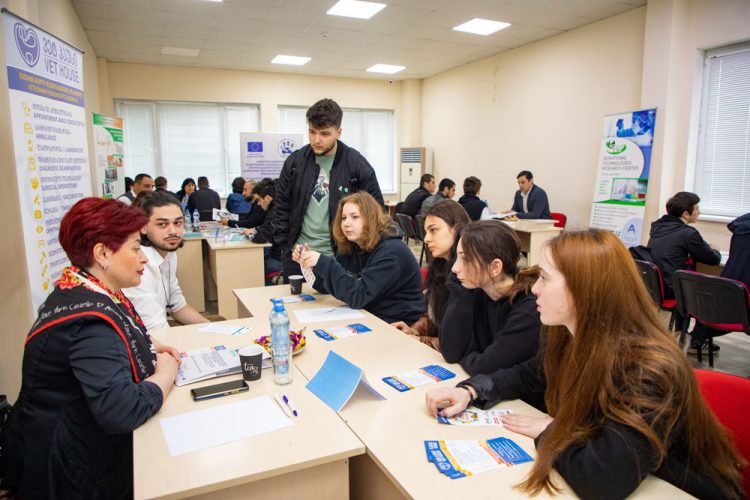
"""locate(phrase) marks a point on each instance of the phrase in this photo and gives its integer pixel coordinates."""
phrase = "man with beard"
(313, 180)
(159, 293)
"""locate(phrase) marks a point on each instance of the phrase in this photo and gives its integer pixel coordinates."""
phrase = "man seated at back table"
(530, 201)
(159, 292)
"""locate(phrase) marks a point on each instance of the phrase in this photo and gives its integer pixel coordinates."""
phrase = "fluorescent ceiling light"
(355, 8)
(481, 26)
(179, 51)
(293, 60)
(385, 68)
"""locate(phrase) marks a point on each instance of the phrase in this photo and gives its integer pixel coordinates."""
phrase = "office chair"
(560, 219)
(652, 278)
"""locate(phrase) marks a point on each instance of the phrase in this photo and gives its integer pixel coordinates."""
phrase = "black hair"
(160, 182)
(139, 177)
(187, 181)
(149, 200)
(682, 202)
(525, 173)
(128, 184)
(446, 183)
(472, 185)
(268, 189)
(425, 178)
(325, 113)
(238, 184)
(202, 181)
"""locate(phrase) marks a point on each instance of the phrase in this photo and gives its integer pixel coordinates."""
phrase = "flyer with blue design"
(340, 332)
(472, 417)
(461, 458)
(416, 378)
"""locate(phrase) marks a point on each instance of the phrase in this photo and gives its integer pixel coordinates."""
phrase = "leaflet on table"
(224, 329)
(426, 375)
(458, 459)
(216, 361)
(293, 299)
(218, 214)
(340, 332)
(326, 314)
(475, 417)
(336, 381)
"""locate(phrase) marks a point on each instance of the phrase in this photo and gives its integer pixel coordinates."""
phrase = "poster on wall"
(48, 121)
(263, 155)
(622, 174)
(108, 151)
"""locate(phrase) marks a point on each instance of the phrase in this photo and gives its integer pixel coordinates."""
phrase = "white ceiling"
(247, 34)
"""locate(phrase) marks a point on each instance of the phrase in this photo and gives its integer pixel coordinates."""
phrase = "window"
(179, 140)
(722, 170)
(371, 132)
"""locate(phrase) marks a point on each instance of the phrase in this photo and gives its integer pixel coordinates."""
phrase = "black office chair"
(652, 278)
(408, 226)
(721, 304)
(425, 253)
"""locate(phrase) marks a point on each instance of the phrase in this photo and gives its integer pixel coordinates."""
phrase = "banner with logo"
(622, 176)
(48, 120)
(108, 150)
(263, 155)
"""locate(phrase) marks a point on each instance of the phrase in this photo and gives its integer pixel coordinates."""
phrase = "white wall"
(536, 108)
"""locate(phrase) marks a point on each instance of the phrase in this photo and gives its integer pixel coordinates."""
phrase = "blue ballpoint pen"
(289, 404)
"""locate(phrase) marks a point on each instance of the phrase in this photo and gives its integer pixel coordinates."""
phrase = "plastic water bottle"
(196, 220)
(280, 343)
(188, 221)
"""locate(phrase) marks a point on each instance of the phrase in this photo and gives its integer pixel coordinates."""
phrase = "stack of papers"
(458, 459)
(471, 417)
(216, 361)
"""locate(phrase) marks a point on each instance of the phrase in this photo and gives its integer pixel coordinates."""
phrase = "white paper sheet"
(217, 425)
(327, 314)
(224, 328)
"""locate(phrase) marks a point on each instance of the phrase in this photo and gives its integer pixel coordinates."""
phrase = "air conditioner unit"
(414, 163)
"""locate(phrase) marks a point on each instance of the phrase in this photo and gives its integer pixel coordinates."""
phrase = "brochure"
(426, 375)
(211, 362)
(340, 332)
(337, 380)
(293, 299)
(458, 459)
(471, 417)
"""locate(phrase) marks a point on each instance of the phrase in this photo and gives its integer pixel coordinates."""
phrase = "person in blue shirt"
(530, 201)
(237, 201)
(373, 269)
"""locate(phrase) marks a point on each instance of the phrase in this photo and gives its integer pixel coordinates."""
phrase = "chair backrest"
(651, 277)
(728, 396)
(419, 222)
(408, 226)
(560, 219)
(716, 302)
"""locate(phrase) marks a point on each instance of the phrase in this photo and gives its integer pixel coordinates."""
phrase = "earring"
(105, 266)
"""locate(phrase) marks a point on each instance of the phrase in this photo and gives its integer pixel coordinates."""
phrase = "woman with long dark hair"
(443, 224)
(621, 397)
(490, 321)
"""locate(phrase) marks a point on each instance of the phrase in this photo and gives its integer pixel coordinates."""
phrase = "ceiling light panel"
(293, 60)
(385, 68)
(355, 8)
(481, 26)
(180, 51)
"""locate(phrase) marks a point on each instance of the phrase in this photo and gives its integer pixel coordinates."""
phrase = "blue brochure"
(337, 380)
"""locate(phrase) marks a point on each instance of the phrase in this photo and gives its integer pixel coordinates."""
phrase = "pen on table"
(324, 311)
(282, 405)
(289, 404)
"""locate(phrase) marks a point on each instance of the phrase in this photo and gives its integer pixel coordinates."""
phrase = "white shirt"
(123, 198)
(525, 197)
(158, 290)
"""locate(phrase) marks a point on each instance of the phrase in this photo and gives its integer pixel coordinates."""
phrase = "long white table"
(394, 430)
(310, 459)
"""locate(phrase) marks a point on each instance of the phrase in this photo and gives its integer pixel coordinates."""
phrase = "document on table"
(327, 314)
(217, 361)
(217, 425)
(458, 459)
(224, 328)
(475, 417)
(416, 378)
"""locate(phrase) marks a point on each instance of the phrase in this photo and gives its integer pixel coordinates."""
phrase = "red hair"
(95, 220)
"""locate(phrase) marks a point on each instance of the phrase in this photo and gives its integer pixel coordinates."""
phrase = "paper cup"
(251, 359)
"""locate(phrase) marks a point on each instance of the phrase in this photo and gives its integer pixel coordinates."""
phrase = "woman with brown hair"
(372, 270)
(622, 399)
(490, 321)
(443, 224)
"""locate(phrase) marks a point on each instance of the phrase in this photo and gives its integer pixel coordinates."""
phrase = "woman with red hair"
(91, 373)
(622, 401)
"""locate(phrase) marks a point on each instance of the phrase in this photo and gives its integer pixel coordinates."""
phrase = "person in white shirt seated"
(159, 293)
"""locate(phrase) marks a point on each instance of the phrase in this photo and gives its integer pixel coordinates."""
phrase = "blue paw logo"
(286, 147)
(28, 43)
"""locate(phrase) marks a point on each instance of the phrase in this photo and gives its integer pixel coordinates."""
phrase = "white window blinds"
(180, 140)
(722, 174)
(371, 132)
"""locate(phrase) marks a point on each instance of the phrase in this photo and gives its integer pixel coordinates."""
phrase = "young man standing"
(313, 180)
(530, 201)
(159, 293)
(414, 201)
(143, 182)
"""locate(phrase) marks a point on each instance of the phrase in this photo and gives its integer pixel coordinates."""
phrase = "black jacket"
(386, 281)
(264, 232)
(672, 243)
(610, 464)
(350, 173)
(473, 206)
(483, 335)
(413, 202)
(738, 265)
(254, 218)
(205, 200)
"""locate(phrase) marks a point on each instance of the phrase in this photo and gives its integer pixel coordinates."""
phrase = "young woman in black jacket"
(622, 399)
(490, 321)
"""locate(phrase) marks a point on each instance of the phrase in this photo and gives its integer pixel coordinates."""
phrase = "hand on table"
(456, 397)
(400, 325)
(527, 425)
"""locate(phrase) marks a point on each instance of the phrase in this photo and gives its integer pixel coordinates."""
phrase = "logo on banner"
(254, 147)
(27, 43)
(286, 147)
(615, 149)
